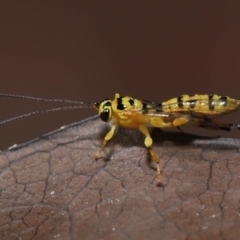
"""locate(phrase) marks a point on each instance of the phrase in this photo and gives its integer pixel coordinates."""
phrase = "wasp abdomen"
(206, 104)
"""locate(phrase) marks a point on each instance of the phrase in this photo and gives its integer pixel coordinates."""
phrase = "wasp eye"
(104, 115)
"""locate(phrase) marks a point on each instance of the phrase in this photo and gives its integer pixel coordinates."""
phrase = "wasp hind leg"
(148, 143)
(215, 125)
(180, 130)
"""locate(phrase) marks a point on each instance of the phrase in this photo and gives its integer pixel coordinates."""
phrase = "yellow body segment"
(133, 113)
(204, 104)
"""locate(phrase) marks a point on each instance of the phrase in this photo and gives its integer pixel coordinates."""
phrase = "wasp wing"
(192, 109)
(201, 113)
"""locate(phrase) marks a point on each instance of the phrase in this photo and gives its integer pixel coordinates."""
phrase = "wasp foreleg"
(106, 139)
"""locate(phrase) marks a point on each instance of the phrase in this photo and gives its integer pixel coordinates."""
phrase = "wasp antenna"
(39, 112)
(96, 105)
(42, 99)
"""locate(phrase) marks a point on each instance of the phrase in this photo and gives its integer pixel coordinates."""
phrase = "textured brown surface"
(88, 51)
(52, 188)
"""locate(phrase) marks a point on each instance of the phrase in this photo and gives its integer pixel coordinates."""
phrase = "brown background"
(88, 50)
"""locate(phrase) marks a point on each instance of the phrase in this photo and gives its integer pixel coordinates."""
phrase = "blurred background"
(89, 50)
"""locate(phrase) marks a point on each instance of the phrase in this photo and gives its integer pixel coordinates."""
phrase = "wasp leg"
(180, 130)
(215, 125)
(158, 122)
(106, 139)
(148, 143)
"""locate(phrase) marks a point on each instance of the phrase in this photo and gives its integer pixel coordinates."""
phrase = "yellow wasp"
(130, 112)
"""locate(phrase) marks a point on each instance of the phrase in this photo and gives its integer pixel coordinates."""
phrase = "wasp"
(129, 112)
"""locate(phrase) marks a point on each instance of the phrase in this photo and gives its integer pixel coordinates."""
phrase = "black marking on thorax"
(192, 103)
(144, 108)
(159, 108)
(131, 101)
(223, 101)
(180, 102)
(120, 105)
(211, 103)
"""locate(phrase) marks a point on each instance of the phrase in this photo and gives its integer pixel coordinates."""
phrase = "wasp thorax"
(105, 110)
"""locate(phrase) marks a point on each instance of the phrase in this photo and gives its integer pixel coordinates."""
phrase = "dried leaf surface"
(53, 188)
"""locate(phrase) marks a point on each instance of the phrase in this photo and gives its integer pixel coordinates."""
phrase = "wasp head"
(104, 109)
